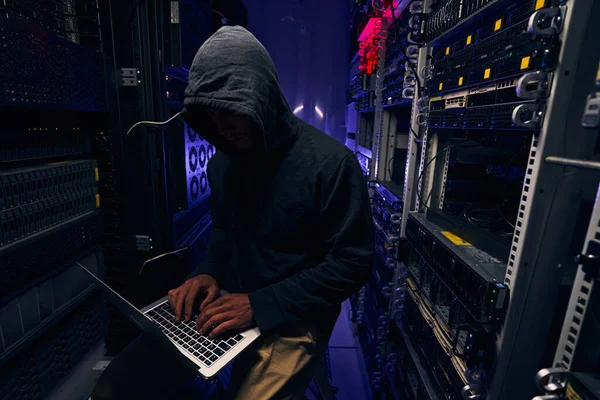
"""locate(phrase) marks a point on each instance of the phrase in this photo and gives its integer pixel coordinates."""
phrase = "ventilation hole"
(582, 301)
(587, 278)
(597, 236)
(522, 207)
(507, 281)
(529, 171)
(574, 331)
(526, 188)
(518, 232)
(566, 360)
(516, 239)
(524, 198)
(527, 181)
(579, 309)
(521, 215)
(511, 263)
(571, 339)
(565, 366)
(533, 153)
(514, 248)
(531, 162)
(585, 290)
(577, 321)
(519, 224)
(534, 144)
(512, 257)
(569, 349)
(509, 271)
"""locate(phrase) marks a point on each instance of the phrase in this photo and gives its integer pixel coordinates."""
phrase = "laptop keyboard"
(203, 348)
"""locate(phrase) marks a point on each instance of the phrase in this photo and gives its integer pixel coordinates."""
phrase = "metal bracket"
(143, 243)
(129, 77)
(410, 79)
(471, 392)
(416, 7)
(590, 264)
(558, 376)
(547, 21)
(527, 116)
(533, 85)
(408, 93)
(591, 114)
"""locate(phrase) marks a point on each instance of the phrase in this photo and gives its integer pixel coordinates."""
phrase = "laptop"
(207, 356)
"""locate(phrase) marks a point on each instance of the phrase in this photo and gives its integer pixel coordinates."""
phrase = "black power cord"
(433, 159)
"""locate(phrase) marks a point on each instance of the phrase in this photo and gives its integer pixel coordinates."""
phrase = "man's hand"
(231, 311)
(182, 299)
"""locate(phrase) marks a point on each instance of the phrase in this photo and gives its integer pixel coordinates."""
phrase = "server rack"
(574, 372)
(470, 97)
(56, 183)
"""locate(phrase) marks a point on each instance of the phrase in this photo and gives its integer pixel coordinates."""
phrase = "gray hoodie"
(292, 221)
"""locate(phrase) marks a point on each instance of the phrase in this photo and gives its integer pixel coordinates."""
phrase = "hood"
(233, 72)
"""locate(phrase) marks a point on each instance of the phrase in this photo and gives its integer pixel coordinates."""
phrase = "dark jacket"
(291, 218)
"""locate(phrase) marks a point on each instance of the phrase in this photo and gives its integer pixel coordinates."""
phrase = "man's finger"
(209, 313)
(214, 303)
(215, 321)
(224, 327)
(178, 307)
(189, 303)
(170, 298)
(211, 295)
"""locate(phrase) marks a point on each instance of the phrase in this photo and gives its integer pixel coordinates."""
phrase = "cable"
(152, 123)
(158, 257)
(429, 163)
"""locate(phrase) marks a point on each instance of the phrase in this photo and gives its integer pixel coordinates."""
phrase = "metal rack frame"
(550, 201)
(548, 209)
(582, 298)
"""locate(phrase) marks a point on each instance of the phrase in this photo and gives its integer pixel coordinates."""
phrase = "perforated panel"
(35, 256)
(198, 152)
(524, 206)
(49, 72)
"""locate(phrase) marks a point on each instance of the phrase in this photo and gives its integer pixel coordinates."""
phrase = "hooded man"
(292, 233)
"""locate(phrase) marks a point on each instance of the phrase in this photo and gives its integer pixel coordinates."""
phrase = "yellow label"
(97, 201)
(455, 239)
(469, 39)
(97, 173)
(411, 283)
(487, 73)
(447, 50)
(435, 98)
(598, 74)
(572, 394)
(525, 62)
(441, 86)
(460, 81)
(498, 25)
(539, 4)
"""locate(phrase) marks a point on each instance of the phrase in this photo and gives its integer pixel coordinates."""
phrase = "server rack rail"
(534, 89)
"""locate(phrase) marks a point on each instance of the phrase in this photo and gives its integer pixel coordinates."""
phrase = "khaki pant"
(280, 365)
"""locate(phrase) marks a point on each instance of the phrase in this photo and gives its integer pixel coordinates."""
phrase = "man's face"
(236, 130)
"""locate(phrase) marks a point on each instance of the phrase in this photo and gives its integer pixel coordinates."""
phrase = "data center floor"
(348, 372)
